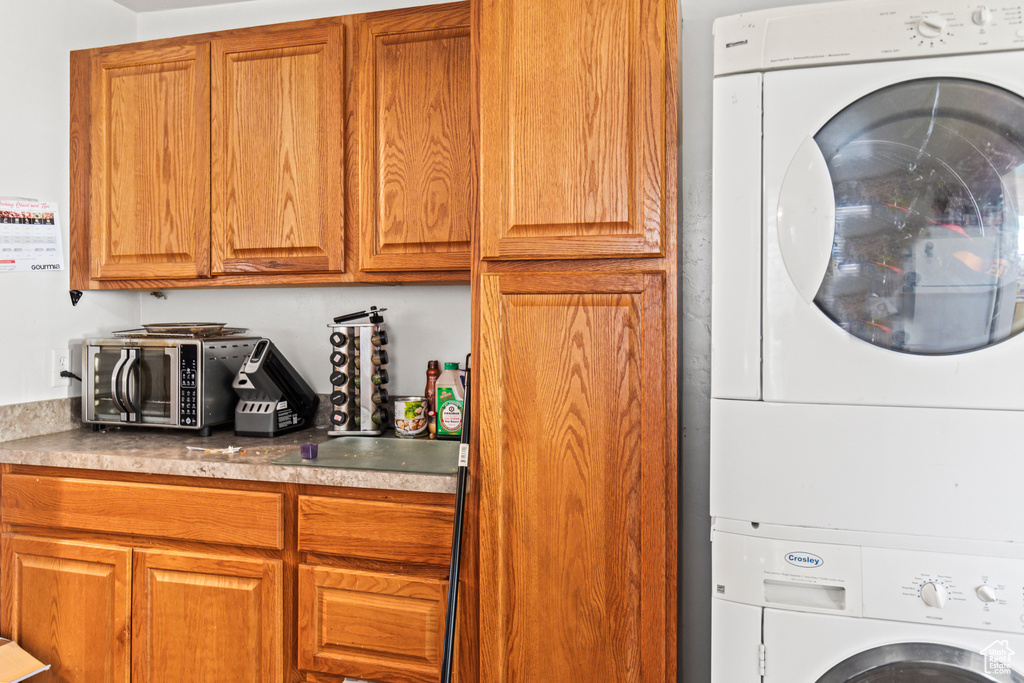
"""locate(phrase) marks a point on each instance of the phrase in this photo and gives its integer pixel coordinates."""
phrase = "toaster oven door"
(133, 384)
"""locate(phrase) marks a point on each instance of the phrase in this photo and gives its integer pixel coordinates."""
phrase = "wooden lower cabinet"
(146, 578)
(371, 625)
(69, 604)
(206, 618)
(576, 478)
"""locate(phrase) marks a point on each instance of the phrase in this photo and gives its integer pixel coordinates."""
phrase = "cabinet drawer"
(384, 627)
(244, 518)
(379, 530)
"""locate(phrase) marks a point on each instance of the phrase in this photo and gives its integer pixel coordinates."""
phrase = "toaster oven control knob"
(981, 16)
(931, 25)
(934, 594)
(986, 593)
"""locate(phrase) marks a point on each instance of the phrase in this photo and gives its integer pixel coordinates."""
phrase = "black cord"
(70, 375)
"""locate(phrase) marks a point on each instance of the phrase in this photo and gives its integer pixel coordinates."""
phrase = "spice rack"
(359, 375)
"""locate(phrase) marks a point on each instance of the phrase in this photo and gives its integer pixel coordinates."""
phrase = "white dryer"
(868, 267)
(797, 607)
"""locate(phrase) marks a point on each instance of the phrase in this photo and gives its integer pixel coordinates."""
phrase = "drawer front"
(379, 530)
(368, 625)
(191, 513)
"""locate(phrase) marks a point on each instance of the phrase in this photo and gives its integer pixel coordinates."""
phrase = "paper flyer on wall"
(29, 236)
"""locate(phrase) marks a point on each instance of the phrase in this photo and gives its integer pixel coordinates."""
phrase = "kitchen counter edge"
(166, 452)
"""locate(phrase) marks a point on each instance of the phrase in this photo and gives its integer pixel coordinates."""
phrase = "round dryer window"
(922, 663)
(928, 251)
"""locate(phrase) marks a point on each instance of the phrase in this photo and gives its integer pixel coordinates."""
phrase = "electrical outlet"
(60, 360)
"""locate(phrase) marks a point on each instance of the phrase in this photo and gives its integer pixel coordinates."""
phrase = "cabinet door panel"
(573, 113)
(418, 173)
(150, 164)
(371, 625)
(574, 455)
(68, 604)
(207, 515)
(376, 529)
(277, 152)
(206, 618)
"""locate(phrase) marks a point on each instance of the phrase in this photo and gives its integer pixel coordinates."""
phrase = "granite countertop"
(164, 451)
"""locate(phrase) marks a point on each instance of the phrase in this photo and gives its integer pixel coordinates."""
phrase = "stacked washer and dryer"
(867, 417)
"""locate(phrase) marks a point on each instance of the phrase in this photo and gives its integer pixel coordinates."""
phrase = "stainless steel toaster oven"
(155, 381)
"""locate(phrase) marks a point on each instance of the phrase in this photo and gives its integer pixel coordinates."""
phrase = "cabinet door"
(371, 625)
(68, 604)
(277, 151)
(576, 474)
(574, 110)
(205, 618)
(150, 164)
(418, 199)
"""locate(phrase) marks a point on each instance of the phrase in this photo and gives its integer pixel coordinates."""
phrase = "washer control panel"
(940, 588)
(842, 32)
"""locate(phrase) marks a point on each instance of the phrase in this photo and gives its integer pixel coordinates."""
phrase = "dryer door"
(894, 233)
(926, 177)
(824, 648)
(901, 662)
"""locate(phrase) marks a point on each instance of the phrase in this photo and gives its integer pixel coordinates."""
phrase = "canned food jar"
(410, 416)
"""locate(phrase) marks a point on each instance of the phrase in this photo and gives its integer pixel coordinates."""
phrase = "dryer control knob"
(931, 25)
(986, 593)
(934, 594)
(981, 16)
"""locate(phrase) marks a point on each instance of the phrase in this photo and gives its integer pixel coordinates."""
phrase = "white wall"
(35, 310)
(423, 323)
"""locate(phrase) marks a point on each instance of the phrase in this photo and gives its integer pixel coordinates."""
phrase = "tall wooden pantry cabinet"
(574, 481)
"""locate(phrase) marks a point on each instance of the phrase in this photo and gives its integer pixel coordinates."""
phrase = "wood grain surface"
(573, 115)
(68, 604)
(277, 128)
(574, 455)
(276, 229)
(399, 532)
(418, 172)
(150, 163)
(368, 625)
(194, 513)
(206, 618)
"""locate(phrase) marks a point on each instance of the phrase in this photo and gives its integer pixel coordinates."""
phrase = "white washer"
(868, 261)
(804, 606)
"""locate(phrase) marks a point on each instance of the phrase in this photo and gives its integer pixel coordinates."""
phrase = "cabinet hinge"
(760, 656)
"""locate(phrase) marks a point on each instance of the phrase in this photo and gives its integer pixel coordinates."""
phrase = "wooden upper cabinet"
(573, 107)
(417, 170)
(576, 491)
(277, 168)
(149, 186)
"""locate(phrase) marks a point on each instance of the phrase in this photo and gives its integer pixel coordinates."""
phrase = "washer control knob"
(981, 16)
(986, 593)
(931, 25)
(934, 594)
